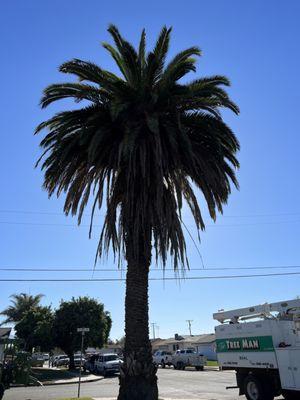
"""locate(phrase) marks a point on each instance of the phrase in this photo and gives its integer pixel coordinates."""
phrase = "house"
(108, 349)
(203, 344)
(4, 335)
(206, 345)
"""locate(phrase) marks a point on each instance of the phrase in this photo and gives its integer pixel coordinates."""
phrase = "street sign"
(82, 331)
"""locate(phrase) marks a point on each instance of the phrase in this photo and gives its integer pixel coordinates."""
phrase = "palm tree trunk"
(138, 380)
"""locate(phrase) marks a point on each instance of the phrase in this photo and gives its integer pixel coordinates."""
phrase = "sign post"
(82, 331)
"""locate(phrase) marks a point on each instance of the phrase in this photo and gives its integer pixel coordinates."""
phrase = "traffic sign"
(83, 329)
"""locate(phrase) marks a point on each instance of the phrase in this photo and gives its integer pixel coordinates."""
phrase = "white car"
(163, 358)
(107, 364)
(61, 360)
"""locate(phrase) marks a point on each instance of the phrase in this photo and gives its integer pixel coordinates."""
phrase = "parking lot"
(189, 384)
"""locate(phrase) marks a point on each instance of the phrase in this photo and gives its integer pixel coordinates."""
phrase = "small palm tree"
(20, 304)
(142, 143)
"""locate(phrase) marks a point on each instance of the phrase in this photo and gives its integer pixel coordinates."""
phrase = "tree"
(21, 303)
(143, 142)
(35, 329)
(83, 312)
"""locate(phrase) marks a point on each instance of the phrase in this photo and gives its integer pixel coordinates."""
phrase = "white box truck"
(262, 344)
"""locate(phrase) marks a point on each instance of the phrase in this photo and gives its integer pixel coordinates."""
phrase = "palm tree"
(21, 303)
(142, 143)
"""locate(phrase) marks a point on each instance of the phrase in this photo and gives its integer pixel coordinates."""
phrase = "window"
(111, 358)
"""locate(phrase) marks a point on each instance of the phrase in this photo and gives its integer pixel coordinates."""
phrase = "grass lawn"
(212, 363)
(46, 375)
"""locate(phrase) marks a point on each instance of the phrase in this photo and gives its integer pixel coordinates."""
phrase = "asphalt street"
(206, 385)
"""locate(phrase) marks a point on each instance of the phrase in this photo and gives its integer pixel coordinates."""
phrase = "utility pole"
(189, 321)
(153, 329)
(82, 331)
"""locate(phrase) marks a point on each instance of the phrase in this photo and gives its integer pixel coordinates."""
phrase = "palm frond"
(142, 149)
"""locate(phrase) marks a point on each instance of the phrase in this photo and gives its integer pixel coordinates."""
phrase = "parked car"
(54, 358)
(107, 364)
(188, 358)
(62, 361)
(89, 364)
(79, 361)
(37, 360)
(162, 358)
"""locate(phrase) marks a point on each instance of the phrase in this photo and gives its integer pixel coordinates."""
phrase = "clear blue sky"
(254, 43)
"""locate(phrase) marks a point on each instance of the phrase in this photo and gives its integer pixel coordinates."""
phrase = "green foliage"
(21, 303)
(82, 312)
(17, 371)
(144, 139)
(35, 329)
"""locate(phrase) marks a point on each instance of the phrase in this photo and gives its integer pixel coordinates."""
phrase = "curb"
(57, 383)
(73, 382)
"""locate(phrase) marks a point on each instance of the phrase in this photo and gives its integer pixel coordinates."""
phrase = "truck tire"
(163, 365)
(291, 395)
(199, 368)
(180, 365)
(255, 389)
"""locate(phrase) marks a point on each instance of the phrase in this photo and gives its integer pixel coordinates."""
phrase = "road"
(208, 385)
(188, 384)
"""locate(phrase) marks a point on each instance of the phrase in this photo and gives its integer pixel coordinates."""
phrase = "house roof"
(198, 339)
(195, 339)
(4, 332)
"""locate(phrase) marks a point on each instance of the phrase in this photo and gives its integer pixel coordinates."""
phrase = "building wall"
(208, 350)
(171, 346)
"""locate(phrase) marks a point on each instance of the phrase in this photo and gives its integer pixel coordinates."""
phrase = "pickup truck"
(162, 358)
(188, 358)
(107, 364)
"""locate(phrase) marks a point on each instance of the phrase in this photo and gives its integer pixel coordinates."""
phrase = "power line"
(154, 279)
(97, 225)
(63, 269)
(8, 211)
